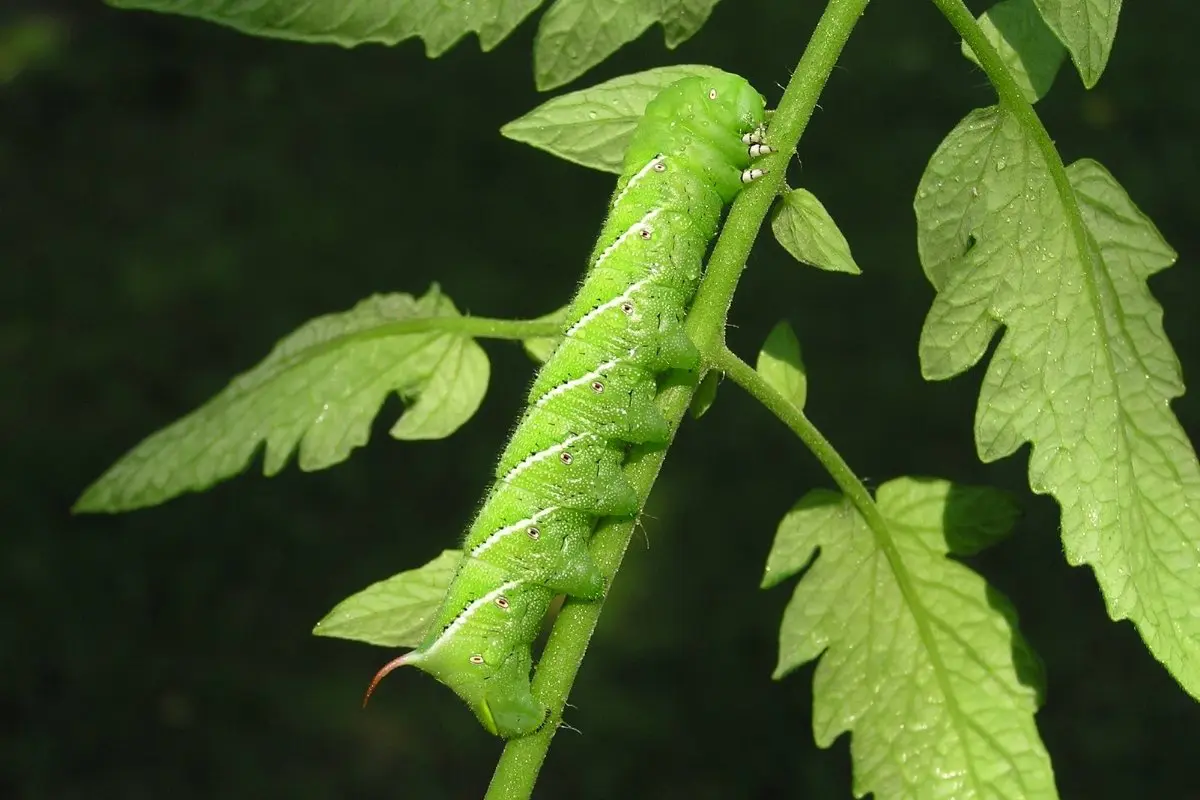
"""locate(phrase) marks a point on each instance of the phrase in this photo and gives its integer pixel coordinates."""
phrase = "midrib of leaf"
(982, 730)
(882, 534)
(1014, 102)
(475, 327)
(481, 327)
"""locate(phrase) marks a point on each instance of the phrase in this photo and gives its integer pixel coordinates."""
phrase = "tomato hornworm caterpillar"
(561, 471)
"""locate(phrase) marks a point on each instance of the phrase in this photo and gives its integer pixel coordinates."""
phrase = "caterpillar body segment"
(562, 468)
(549, 547)
(581, 472)
(612, 400)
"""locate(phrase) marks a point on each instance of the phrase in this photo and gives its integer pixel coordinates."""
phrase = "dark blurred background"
(177, 196)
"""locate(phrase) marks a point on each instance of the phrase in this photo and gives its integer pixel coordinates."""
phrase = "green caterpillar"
(561, 470)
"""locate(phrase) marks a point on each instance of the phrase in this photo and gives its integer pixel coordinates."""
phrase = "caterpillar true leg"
(757, 149)
(756, 136)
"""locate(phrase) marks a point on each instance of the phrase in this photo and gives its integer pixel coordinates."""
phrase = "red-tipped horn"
(388, 667)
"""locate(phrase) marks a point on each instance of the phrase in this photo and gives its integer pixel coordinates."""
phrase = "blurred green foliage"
(180, 196)
(28, 40)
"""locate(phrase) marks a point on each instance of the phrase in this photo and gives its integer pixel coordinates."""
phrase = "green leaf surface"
(1026, 45)
(1084, 370)
(682, 19)
(781, 365)
(396, 611)
(576, 35)
(318, 390)
(439, 23)
(804, 228)
(1087, 28)
(592, 127)
(28, 41)
(920, 660)
(706, 393)
(540, 348)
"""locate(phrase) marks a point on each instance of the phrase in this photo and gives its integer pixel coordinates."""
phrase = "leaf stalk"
(749, 379)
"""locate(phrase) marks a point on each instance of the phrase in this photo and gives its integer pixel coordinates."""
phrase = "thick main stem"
(517, 771)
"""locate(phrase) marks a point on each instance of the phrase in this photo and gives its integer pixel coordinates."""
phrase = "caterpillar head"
(732, 102)
(697, 123)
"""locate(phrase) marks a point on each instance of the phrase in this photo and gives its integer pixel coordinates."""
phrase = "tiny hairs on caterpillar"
(561, 471)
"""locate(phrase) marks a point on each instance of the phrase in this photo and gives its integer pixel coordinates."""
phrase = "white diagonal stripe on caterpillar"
(582, 379)
(544, 454)
(624, 297)
(641, 224)
(466, 614)
(641, 173)
(507, 529)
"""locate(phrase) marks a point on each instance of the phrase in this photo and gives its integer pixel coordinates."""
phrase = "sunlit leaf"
(1087, 28)
(1083, 371)
(920, 660)
(1026, 45)
(318, 391)
(683, 18)
(396, 611)
(781, 365)
(807, 231)
(576, 35)
(438, 23)
(593, 126)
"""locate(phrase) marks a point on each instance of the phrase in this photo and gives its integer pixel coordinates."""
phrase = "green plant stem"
(517, 771)
(789, 414)
(711, 307)
(1011, 97)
